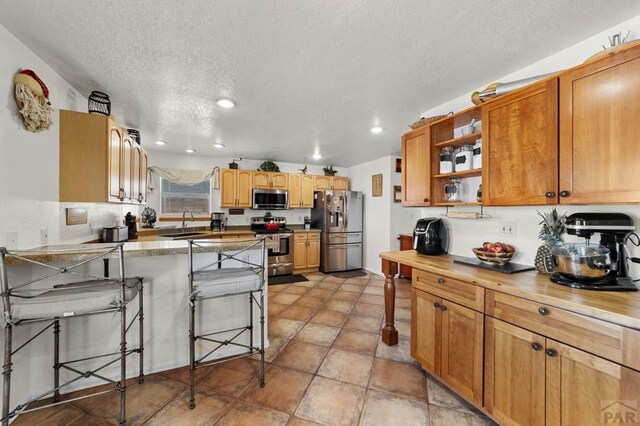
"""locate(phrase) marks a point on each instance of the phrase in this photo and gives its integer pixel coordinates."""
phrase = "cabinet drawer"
(615, 342)
(313, 235)
(457, 291)
(299, 236)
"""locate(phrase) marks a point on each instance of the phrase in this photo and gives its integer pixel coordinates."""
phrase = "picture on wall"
(376, 185)
(397, 194)
(398, 165)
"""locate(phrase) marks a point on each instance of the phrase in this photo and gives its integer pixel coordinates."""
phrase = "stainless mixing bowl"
(582, 262)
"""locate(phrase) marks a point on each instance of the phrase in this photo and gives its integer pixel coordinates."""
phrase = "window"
(176, 198)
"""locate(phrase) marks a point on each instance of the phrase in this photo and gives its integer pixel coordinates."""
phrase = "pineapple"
(551, 235)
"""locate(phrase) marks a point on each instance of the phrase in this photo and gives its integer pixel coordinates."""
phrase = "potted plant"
(269, 166)
(551, 235)
(329, 171)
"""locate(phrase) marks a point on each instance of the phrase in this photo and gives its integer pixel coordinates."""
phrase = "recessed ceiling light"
(189, 151)
(161, 143)
(218, 145)
(225, 103)
(317, 156)
(376, 129)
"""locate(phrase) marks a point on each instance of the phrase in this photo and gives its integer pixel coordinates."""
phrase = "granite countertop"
(78, 252)
(300, 228)
(149, 234)
(617, 307)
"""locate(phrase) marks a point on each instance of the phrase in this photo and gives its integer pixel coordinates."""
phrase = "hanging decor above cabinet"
(32, 99)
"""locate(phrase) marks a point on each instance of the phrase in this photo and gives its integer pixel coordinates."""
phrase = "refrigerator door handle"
(346, 210)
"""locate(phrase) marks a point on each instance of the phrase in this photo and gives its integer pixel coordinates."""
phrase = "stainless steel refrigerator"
(339, 215)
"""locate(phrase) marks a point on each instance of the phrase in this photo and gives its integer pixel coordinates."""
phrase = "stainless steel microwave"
(270, 199)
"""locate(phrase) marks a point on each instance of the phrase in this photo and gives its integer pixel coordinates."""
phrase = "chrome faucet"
(184, 214)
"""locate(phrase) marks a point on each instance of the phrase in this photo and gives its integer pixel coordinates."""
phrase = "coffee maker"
(132, 226)
(218, 222)
(614, 228)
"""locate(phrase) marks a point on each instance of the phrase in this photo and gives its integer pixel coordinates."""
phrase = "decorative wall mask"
(32, 98)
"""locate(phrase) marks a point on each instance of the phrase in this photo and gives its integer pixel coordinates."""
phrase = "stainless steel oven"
(270, 199)
(281, 258)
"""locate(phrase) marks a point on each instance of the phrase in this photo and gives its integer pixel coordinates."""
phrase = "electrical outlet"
(44, 237)
(508, 228)
(12, 240)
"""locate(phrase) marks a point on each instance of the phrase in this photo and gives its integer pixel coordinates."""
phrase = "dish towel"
(276, 239)
(216, 177)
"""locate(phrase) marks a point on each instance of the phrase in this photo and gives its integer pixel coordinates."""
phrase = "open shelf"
(463, 140)
(468, 173)
(463, 203)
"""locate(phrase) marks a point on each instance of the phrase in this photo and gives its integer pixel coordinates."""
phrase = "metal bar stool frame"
(202, 246)
(121, 308)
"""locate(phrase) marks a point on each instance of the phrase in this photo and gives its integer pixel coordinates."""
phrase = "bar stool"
(213, 282)
(61, 300)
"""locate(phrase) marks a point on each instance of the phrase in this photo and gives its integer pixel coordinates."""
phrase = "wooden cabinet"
(327, 183)
(235, 188)
(514, 374)
(406, 243)
(300, 191)
(270, 180)
(416, 168)
(341, 183)
(533, 380)
(449, 342)
(599, 128)
(583, 389)
(520, 147)
(306, 251)
(99, 162)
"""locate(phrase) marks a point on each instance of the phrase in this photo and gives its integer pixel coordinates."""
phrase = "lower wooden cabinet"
(514, 386)
(449, 342)
(306, 251)
(533, 380)
(406, 243)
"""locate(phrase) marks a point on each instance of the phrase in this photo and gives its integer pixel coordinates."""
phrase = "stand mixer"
(614, 228)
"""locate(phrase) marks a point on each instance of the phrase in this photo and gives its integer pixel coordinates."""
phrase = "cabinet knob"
(550, 194)
(536, 346)
(543, 311)
(564, 194)
(425, 200)
(440, 280)
(444, 308)
(436, 305)
(551, 352)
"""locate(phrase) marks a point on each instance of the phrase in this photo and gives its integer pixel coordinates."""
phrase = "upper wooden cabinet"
(99, 162)
(599, 131)
(520, 147)
(327, 183)
(270, 180)
(235, 188)
(300, 191)
(416, 168)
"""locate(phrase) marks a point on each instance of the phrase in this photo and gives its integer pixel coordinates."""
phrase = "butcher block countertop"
(621, 308)
(76, 252)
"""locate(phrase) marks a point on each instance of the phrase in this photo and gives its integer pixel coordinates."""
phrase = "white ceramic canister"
(446, 160)
(477, 154)
(464, 158)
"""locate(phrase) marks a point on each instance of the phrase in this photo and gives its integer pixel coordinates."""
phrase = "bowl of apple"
(495, 253)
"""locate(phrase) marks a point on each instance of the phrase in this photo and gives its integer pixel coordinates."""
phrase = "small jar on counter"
(464, 158)
(446, 160)
(477, 154)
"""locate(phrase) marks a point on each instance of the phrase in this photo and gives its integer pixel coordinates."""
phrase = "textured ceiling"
(305, 74)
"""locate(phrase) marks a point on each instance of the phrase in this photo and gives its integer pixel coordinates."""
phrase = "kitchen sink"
(182, 234)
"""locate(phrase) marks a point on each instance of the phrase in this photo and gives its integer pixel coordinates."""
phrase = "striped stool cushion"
(73, 299)
(221, 282)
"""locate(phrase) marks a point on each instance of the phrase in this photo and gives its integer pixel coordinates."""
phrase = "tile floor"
(326, 365)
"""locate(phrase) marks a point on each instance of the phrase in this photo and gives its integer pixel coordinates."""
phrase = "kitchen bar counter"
(621, 308)
(67, 252)
(148, 234)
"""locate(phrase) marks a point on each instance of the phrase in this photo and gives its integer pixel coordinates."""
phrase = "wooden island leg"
(389, 332)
